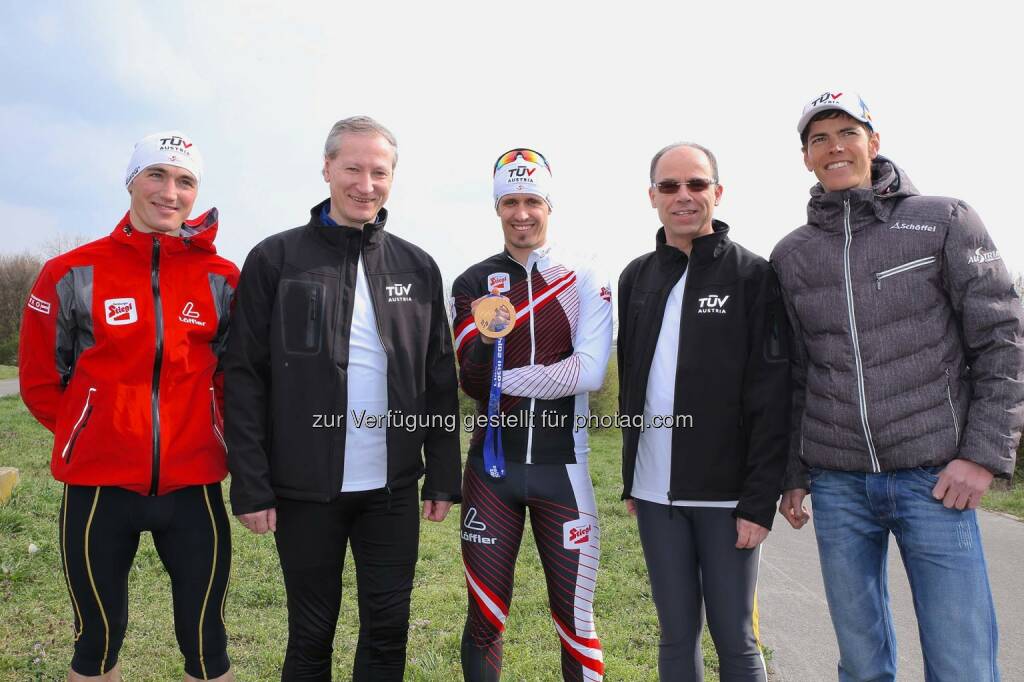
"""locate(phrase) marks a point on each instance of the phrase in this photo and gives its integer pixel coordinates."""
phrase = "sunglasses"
(527, 155)
(696, 185)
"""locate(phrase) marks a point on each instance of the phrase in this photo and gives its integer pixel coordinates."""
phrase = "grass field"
(8, 372)
(35, 613)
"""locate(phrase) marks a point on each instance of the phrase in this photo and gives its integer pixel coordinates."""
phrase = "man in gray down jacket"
(907, 396)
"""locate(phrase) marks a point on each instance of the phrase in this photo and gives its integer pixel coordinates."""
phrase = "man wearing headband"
(340, 382)
(121, 342)
(704, 382)
(535, 440)
(907, 395)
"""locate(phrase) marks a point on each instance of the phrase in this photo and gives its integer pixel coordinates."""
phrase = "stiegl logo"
(712, 303)
(473, 523)
(398, 292)
(120, 311)
(189, 315)
(576, 533)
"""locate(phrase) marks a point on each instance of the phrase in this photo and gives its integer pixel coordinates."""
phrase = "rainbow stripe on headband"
(527, 155)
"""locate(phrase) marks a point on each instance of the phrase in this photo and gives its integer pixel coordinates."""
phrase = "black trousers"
(383, 528)
(99, 530)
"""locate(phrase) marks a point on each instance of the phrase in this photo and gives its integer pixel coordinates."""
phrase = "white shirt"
(653, 468)
(366, 453)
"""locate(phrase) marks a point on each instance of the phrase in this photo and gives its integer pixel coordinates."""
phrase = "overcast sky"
(597, 91)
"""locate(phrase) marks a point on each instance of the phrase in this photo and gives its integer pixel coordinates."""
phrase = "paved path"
(8, 387)
(794, 617)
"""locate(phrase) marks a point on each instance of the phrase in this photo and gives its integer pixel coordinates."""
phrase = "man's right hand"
(260, 522)
(630, 506)
(792, 507)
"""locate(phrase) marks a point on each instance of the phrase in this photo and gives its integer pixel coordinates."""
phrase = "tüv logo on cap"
(120, 311)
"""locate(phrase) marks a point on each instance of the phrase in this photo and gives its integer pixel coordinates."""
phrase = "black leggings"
(383, 528)
(99, 530)
(693, 562)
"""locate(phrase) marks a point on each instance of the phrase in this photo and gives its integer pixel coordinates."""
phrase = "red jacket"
(120, 346)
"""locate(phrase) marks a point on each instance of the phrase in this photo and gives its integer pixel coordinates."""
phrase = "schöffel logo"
(398, 292)
(576, 533)
(712, 303)
(913, 227)
(980, 255)
(38, 304)
(189, 315)
(120, 311)
(471, 522)
(498, 282)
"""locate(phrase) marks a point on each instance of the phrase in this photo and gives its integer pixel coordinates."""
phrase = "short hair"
(829, 113)
(693, 145)
(357, 125)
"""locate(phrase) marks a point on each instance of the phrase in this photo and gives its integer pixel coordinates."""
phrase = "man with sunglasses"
(702, 360)
(908, 396)
(341, 394)
(532, 452)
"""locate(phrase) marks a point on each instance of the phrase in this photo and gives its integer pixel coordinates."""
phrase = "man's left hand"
(961, 484)
(748, 534)
(436, 510)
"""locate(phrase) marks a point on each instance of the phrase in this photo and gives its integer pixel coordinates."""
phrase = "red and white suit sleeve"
(41, 383)
(584, 370)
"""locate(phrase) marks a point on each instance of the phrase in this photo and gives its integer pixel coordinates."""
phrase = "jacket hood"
(199, 231)
(888, 183)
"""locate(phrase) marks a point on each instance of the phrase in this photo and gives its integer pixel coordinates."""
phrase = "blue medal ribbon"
(494, 455)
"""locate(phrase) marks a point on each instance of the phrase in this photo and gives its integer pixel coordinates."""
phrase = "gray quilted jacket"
(909, 332)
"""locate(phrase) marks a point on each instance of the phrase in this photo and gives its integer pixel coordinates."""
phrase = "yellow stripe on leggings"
(756, 621)
(209, 587)
(95, 592)
(64, 560)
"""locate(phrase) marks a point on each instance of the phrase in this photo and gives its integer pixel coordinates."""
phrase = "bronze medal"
(486, 312)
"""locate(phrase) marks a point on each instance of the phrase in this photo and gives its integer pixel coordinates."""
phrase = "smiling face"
(686, 214)
(162, 199)
(839, 152)
(524, 221)
(360, 173)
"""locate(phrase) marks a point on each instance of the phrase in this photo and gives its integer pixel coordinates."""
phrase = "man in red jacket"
(120, 347)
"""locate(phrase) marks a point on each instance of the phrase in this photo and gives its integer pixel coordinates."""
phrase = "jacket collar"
(197, 232)
(889, 182)
(370, 234)
(705, 249)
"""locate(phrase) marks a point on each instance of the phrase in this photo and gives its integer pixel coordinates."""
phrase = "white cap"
(846, 101)
(522, 177)
(173, 148)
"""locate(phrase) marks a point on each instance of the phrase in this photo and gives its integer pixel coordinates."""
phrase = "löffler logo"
(120, 311)
(473, 523)
(189, 315)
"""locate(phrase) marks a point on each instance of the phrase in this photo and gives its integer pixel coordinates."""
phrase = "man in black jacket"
(340, 377)
(703, 366)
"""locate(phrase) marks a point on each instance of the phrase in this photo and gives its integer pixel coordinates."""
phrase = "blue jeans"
(941, 549)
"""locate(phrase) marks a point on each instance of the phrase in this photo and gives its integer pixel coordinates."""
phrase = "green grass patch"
(1006, 499)
(8, 372)
(36, 622)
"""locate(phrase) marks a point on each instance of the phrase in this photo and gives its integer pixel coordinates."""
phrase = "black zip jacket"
(732, 375)
(287, 362)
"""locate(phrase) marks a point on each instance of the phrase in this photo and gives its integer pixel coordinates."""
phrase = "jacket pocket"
(76, 430)
(217, 421)
(952, 408)
(900, 269)
(302, 310)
